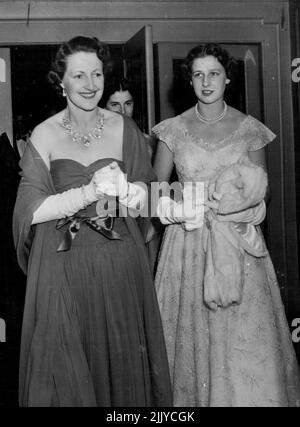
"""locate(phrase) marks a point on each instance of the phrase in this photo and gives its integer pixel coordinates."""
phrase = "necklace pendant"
(84, 139)
(97, 133)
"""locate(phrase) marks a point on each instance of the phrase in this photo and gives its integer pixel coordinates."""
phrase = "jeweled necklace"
(215, 119)
(83, 138)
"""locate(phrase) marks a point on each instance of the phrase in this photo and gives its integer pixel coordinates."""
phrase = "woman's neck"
(211, 111)
(81, 119)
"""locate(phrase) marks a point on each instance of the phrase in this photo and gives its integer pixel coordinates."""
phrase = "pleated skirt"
(110, 301)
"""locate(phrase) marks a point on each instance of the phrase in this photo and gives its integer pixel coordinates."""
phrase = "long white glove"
(107, 181)
(65, 204)
(193, 200)
(112, 182)
(189, 212)
(169, 211)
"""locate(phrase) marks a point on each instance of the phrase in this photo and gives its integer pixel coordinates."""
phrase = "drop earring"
(64, 94)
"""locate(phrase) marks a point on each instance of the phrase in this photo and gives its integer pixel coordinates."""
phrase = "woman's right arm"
(64, 204)
(169, 211)
(163, 163)
(40, 139)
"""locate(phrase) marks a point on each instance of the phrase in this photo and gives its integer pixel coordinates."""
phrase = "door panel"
(138, 64)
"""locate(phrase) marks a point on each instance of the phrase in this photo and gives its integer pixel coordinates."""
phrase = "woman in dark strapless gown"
(92, 332)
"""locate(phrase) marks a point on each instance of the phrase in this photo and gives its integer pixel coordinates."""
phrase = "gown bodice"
(69, 173)
(198, 160)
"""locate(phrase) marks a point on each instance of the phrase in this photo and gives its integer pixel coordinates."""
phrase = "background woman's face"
(208, 79)
(83, 80)
(121, 102)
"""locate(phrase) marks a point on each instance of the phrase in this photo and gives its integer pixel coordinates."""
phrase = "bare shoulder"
(43, 134)
(235, 115)
(188, 114)
(112, 119)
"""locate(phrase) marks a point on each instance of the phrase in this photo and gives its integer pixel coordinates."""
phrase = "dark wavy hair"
(210, 49)
(75, 45)
(116, 83)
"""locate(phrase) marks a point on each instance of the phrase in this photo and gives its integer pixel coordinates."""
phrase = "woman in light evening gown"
(227, 337)
(92, 333)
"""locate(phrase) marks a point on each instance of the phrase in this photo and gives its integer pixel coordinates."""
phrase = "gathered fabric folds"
(225, 249)
(231, 230)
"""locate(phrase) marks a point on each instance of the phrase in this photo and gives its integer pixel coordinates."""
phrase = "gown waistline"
(102, 225)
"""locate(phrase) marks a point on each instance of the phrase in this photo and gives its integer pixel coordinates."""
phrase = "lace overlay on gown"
(238, 356)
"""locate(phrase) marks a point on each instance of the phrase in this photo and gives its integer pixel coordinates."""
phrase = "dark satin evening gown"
(110, 297)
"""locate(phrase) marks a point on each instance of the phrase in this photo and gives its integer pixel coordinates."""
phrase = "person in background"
(118, 96)
(92, 333)
(227, 337)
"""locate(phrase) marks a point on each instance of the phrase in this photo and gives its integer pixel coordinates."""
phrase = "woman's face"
(121, 102)
(83, 80)
(208, 79)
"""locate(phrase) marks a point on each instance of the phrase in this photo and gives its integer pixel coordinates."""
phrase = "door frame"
(5, 94)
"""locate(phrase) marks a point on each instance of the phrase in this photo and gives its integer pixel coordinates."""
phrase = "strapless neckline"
(103, 159)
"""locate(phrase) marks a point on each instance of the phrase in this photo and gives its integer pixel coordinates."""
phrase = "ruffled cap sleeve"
(258, 134)
(166, 132)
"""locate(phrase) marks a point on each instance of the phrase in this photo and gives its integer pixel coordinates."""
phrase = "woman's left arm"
(258, 157)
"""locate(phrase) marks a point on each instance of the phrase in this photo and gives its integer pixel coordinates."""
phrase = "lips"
(88, 95)
(207, 92)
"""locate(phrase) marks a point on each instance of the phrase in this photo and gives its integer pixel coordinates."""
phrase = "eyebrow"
(81, 71)
(211, 69)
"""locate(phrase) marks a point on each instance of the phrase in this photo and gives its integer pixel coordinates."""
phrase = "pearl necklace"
(83, 138)
(215, 119)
